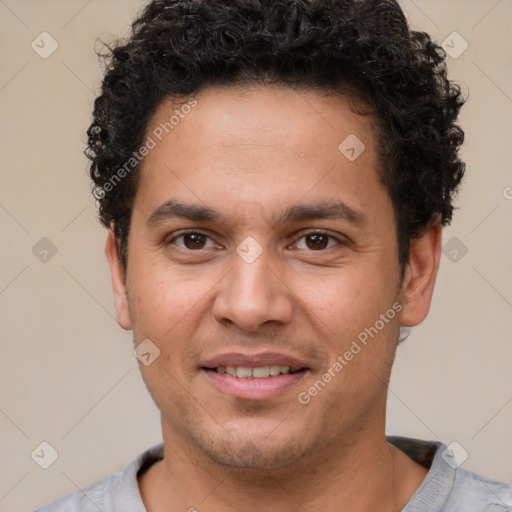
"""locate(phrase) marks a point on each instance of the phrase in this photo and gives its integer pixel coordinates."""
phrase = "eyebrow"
(337, 210)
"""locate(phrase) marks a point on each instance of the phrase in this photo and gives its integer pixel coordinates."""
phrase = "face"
(263, 264)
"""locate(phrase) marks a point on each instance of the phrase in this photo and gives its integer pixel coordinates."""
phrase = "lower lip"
(253, 389)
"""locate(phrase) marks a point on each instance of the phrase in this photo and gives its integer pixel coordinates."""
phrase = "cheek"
(349, 299)
(165, 304)
(157, 288)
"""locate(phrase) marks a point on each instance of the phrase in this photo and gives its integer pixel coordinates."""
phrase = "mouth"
(254, 377)
(256, 372)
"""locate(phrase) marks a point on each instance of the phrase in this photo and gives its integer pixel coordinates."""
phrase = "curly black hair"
(360, 47)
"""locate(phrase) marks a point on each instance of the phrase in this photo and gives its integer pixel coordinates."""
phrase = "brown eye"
(317, 241)
(192, 240)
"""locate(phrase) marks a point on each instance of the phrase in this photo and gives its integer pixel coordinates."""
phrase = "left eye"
(317, 241)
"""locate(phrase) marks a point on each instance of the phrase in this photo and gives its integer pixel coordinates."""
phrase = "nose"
(252, 294)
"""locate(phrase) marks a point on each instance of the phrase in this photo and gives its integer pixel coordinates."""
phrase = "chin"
(244, 451)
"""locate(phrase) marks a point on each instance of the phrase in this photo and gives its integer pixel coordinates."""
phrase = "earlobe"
(118, 278)
(420, 275)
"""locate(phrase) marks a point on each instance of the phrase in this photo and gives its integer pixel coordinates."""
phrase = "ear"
(117, 275)
(420, 275)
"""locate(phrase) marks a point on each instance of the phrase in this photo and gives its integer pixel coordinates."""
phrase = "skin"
(249, 153)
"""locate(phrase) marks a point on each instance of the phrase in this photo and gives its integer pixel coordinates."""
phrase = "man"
(274, 176)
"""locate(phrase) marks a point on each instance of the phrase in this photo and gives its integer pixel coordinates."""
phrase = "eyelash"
(304, 235)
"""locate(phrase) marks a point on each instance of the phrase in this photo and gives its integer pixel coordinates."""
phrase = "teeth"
(262, 372)
(259, 372)
(243, 372)
(275, 370)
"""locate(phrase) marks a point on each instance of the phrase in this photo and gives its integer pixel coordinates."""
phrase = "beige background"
(68, 376)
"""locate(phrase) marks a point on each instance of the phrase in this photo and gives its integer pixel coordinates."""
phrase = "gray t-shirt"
(447, 488)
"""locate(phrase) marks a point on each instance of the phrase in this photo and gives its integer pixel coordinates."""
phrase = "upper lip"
(254, 360)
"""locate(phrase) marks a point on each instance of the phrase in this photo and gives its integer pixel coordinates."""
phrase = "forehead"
(250, 117)
(251, 149)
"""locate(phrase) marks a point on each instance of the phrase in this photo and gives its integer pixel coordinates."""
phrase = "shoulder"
(118, 492)
(480, 493)
(88, 499)
(448, 487)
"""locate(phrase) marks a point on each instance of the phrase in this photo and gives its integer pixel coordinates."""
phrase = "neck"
(357, 475)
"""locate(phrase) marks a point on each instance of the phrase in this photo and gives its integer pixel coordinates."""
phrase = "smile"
(254, 377)
(257, 372)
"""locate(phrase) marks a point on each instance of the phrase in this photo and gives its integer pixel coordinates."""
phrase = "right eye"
(192, 240)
